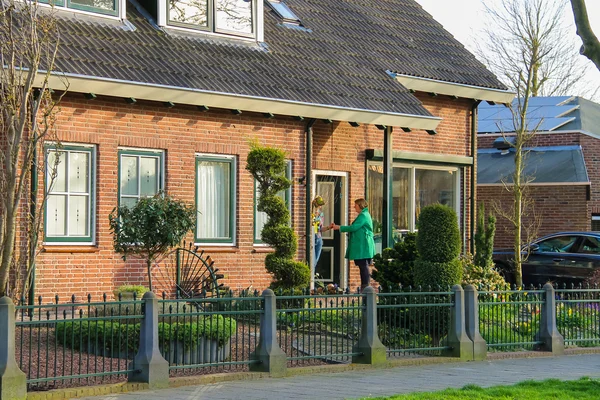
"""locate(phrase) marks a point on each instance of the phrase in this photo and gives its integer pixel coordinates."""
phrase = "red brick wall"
(558, 208)
(563, 207)
(182, 132)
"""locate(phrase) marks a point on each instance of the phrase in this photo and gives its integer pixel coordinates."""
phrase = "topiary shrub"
(484, 240)
(125, 292)
(394, 267)
(438, 245)
(267, 166)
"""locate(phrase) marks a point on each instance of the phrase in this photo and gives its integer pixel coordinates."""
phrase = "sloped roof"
(545, 114)
(550, 165)
(339, 61)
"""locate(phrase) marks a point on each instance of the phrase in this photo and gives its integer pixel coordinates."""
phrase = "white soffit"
(142, 91)
(455, 89)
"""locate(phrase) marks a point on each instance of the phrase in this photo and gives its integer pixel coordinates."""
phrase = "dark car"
(563, 258)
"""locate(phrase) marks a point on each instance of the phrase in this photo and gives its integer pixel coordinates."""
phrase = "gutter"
(474, 116)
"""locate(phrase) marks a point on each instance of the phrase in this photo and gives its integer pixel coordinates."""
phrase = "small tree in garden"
(438, 245)
(151, 227)
(267, 166)
(484, 240)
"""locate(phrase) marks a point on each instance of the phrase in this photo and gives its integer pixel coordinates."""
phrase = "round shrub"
(434, 274)
(438, 238)
(395, 266)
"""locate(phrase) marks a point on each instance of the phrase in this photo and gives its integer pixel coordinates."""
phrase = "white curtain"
(214, 200)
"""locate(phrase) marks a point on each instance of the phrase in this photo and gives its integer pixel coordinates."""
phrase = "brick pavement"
(382, 382)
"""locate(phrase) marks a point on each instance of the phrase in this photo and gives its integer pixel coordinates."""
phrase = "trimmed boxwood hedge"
(114, 336)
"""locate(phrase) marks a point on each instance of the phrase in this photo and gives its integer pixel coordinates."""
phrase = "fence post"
(458, 341)
(371, 350)
(270, 356)
(149, 365)
(549, 335)
(13, 381)
(472, 323)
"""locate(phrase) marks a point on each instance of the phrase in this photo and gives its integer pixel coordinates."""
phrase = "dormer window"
(106, 7)
(230, 17)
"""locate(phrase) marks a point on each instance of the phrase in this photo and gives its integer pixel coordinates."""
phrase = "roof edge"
(455, 89)
(163, 93)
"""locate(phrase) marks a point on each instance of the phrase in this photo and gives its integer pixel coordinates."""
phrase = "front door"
(329, 265)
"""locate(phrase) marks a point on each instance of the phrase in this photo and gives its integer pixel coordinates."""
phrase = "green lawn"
(582, 389)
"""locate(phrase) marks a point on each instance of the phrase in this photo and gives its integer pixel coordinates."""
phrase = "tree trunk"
(149, 266)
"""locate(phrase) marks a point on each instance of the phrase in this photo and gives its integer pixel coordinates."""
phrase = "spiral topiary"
(267, 166)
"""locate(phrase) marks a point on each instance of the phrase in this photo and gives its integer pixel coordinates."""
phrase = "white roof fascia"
(177, 95)
(455, 89)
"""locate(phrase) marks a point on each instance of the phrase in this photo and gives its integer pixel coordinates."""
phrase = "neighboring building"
(563, 164)
(168, 95)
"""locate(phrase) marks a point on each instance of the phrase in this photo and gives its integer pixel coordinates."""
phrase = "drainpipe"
(473, 176)
(308, 177)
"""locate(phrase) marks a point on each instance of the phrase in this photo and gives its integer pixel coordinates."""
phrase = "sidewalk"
(383, 382)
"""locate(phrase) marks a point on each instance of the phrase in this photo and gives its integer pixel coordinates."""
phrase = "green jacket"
(360, 237)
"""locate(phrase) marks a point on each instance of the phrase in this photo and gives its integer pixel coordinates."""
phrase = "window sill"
(215, 249)
(48, 248)
(263, 249)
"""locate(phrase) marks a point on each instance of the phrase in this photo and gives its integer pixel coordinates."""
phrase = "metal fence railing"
(578, 316)
(509, 320)
(318, 329)
(76, 343)
(210, 335)
(414, 322)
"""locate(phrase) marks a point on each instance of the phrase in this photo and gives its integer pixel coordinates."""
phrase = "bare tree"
(28, 48)
(518, 31)
(525, 39)
(591, 45)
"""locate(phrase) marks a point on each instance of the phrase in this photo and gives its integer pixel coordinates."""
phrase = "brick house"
(562, 164)
(370, 100)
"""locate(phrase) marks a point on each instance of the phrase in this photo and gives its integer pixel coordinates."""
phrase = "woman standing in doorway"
(361, 247)
(317, 220)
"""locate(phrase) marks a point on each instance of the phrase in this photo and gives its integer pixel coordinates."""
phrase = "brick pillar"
(549, 335)
(371, 350)
(458, 341)
(270, 356)
(472, 323)
(150, 366)
(13, 381)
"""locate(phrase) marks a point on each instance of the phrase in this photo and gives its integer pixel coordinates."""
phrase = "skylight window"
(284, 12)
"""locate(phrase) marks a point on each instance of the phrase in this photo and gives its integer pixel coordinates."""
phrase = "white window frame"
(141, 153)
(231, 241)
(257, 28)
(119, 14)
(91, 201)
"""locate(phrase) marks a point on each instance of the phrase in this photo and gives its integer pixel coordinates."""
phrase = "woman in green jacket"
(361, 247)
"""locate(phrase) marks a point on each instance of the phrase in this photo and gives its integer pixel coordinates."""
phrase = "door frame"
(344, 213)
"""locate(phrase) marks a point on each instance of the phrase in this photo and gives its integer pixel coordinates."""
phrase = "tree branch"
(591, 46)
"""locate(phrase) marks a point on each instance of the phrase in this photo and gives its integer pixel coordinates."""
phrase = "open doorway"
(331, 266)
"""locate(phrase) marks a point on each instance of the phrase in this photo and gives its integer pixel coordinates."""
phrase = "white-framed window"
(413, 187)
(228, 17)
(260, 217)
(595, 222)
(215, 199)
(114, 8)
(69, 181)
(141, 174)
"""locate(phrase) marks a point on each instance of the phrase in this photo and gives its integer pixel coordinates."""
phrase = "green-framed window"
(235, 17)
(215, 199)
(414, 186)
(140, 175)
(260, 218)
(69, 181)
(106, 7)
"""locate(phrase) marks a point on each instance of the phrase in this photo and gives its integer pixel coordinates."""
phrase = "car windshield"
(559, 244)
